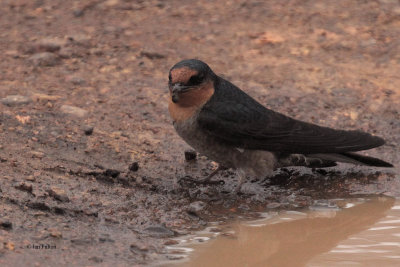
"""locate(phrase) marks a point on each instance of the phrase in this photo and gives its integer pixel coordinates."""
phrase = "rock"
(82, 241)
(106, 238)
(96, 259)
(159, 231)
(171, 242)
(71, 52)
(76, 80)
(45, 45)
(55, 233)
(196, 207)
(139, 248)
(190, 155)
(112, 173)
(75, 111)
(80, 39)
(78, 13)
(15, 100)
(6, 225)
(152, 55)
(44, 59)
(44, 97)
(134, 167)
(27, 187)
(96, 51)
(88, 130)
(30, 178)
(58, 194)
(37, 154)
(12, 53)
(49, 45)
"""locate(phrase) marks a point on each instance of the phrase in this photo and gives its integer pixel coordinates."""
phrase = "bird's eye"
(196, 79)
(169, 77)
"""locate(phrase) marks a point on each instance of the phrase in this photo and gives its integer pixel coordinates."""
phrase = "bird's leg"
(207, 180)
(242, 179)
(214, 172)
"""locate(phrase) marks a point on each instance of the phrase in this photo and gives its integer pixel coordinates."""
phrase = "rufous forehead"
(182, 75)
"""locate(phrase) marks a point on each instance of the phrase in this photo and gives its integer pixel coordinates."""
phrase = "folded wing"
(247, 124)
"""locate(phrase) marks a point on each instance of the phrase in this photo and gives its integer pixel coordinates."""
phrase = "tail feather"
(353, 158)
(366, 160)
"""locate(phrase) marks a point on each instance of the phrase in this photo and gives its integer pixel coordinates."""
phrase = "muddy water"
(356, 232)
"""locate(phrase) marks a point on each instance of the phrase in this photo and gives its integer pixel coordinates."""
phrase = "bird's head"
(188, 79)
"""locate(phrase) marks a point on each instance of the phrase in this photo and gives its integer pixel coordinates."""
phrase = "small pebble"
(45, 59)
(112, 173)
(15, 100)
(75, 80)
(75, 111)
(7, 225)
(88, 130)
(134, 167)
(159, 231)
(190, 155)
(24, 187)
(36, 154)
(58, 194)
(78, 13)
(196, 207)
(96, 259)
(55, 233)
(171, 242)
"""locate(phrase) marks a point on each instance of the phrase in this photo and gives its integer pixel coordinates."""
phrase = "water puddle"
(351, 232)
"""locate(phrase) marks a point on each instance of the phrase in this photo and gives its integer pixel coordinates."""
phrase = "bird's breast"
(180, 113)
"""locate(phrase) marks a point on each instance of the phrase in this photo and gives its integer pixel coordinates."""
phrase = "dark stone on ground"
(88, 130)
(7, 225)
(134, 166)
(190, 155)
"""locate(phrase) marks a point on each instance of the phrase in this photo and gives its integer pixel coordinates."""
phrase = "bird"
(222, 122)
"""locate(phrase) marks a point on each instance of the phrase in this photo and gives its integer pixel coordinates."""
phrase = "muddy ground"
(91, 106)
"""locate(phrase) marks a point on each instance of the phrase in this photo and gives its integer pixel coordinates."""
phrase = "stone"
(49, 45)
(134, 167)
(58, 194)
(88, 130)
(75, 111)
(152, 55)
(15, 100)
(159, 231)
(78, 13)
(27, 187)
(112, 173)
(75, 80)
(196, 207)
(6, 225)
(55, 233)
(45, 59)
(37, 154)
(190, 155)
(96, 259)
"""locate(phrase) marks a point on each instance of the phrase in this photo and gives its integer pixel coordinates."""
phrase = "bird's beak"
(176, 90)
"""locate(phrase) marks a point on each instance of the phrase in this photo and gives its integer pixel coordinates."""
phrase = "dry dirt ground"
(91, 106)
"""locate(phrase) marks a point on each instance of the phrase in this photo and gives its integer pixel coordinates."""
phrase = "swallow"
(222, 122)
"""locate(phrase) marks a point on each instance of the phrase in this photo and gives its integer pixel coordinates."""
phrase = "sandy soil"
(91, 106)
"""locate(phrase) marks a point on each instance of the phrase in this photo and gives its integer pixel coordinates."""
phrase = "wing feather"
(249, 125)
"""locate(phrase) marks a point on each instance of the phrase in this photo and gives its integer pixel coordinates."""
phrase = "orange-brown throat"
(190, 102)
